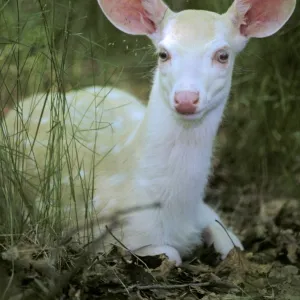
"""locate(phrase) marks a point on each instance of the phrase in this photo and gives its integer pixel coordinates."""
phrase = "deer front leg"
(152, 250)
(216, 234)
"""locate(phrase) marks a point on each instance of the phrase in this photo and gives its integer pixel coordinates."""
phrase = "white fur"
(173, 152)
(172, 169)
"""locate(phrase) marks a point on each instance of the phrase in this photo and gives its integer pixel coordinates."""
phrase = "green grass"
(49, 46)
(262, 124)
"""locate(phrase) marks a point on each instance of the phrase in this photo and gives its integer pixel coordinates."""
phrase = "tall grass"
(49, 46)
(39, 54)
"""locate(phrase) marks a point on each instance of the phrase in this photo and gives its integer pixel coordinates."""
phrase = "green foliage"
(262, 124)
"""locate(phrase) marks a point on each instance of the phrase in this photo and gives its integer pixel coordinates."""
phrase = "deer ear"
(260, 18)
(137, 17)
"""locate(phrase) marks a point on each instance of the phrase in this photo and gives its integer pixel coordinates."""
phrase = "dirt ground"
(268, 269)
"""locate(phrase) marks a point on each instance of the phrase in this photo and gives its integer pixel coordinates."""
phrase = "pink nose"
(186, 102)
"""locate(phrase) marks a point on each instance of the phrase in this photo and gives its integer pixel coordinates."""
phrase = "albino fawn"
(167, 157)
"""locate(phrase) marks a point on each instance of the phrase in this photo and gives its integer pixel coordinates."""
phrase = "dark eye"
(222, 56)
(163, 55)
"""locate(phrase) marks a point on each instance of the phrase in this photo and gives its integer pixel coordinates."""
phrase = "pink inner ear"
(261, 13)
(129, 16)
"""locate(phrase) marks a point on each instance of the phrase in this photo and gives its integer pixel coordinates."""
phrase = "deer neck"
(173, 155)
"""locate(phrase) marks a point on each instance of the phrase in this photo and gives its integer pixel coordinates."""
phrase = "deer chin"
(199, 115)
(189, 117)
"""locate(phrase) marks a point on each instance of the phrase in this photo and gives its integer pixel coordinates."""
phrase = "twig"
(160, 287)
(128, 250)
(114, 216)
(213, 283)
(226, 232)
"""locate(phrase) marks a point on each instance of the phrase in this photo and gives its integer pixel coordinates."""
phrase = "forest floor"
(268, 269)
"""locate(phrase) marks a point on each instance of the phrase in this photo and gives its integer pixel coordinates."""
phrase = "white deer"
(167, 154)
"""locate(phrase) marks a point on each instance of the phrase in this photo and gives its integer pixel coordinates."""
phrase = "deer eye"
(163, 55)
(222, 56)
